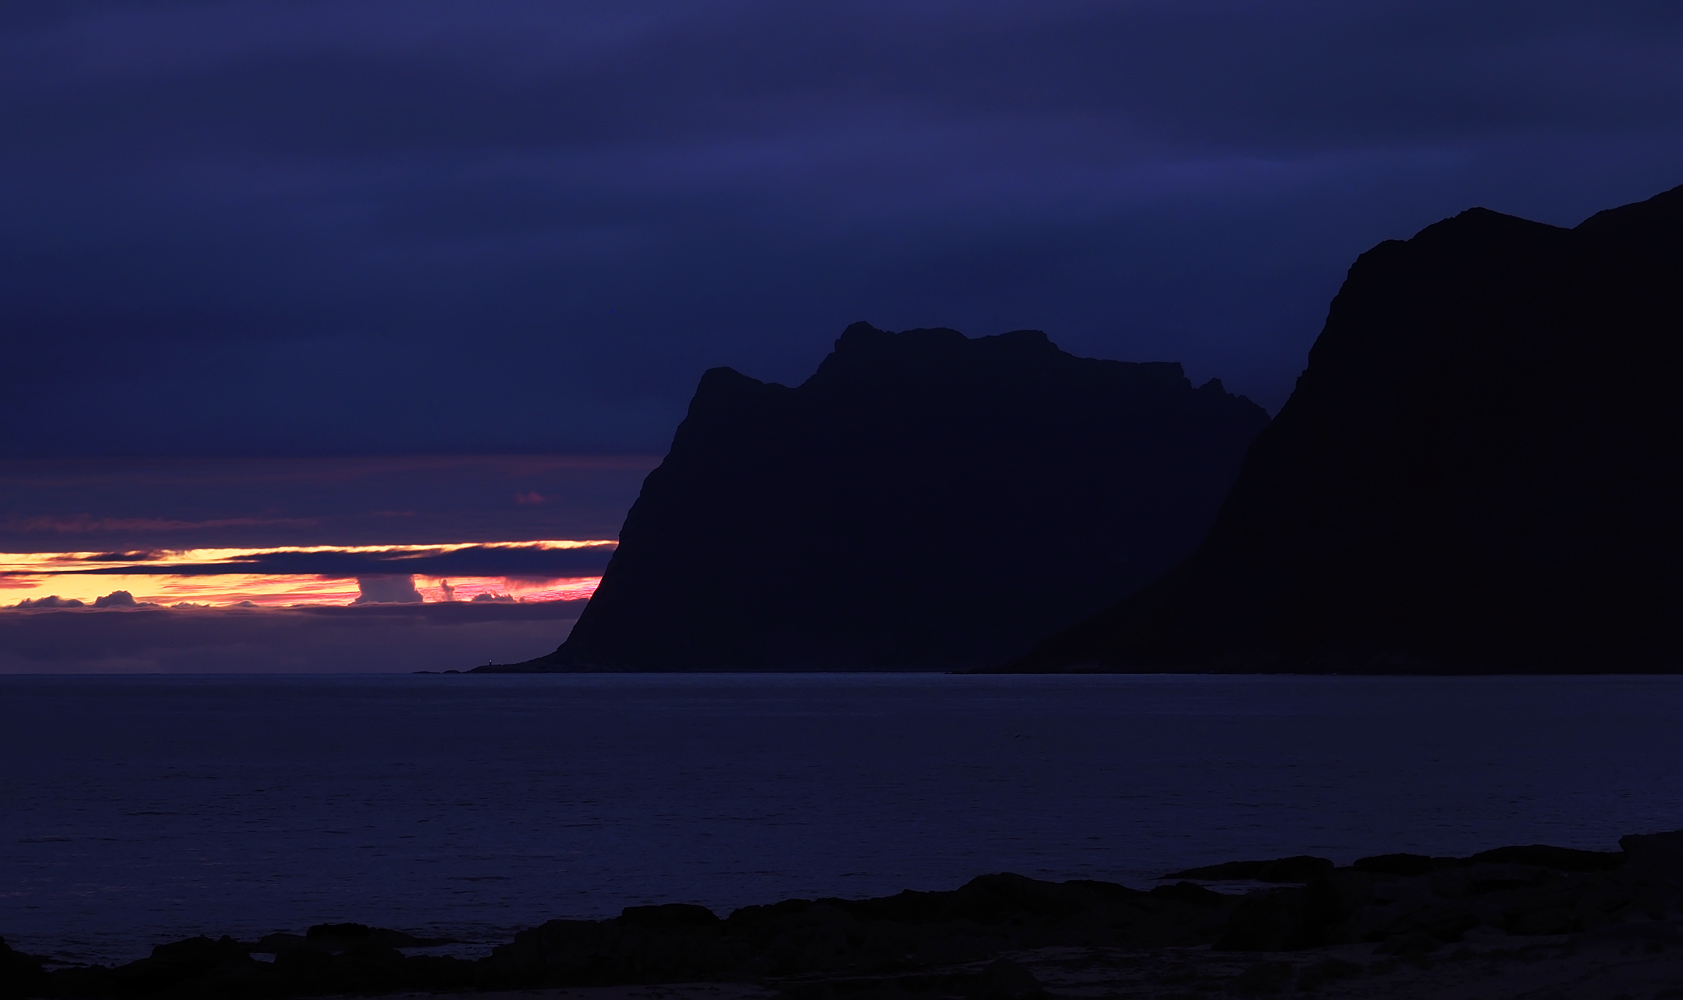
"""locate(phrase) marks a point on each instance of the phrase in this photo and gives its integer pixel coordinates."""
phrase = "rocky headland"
(1532, 921)
(1478, 472)
(924, 501)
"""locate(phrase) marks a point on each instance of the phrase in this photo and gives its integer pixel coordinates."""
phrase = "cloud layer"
(366, 226)
(386, 590)
(538, 560)
(373, 638)
(101, 505)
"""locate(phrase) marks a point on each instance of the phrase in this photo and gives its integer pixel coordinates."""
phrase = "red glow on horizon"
(291, 591)
(465, 589)
(33, 576)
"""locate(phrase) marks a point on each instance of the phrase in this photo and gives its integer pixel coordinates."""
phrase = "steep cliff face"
(923, 501)
(1479, 470)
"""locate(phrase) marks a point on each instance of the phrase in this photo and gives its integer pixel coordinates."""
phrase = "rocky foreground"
(1512, 922)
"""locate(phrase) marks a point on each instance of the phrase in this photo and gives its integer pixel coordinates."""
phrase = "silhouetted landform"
(1479, 471)
(1006, 935)
(923, 501)
(1299, 869)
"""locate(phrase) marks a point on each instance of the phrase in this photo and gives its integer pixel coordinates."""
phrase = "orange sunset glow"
(87, 576)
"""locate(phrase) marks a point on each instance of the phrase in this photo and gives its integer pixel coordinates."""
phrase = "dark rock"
(224, 962)
(1403, 864)
(369, 968)
(1493, 870)
(435, 973)
(1487, 877)
(1004, 979)
(1266, 978)
(883, 514)
(1663, 933)
(1558, 919)
(1190, 892)
(1327, 970)
(274, 944)
(1265, 921)
(1657, 856)
(195, 969)
(1302, 868)
(20, 975)
(331, 959)
(1563, 859)
(1478, 471)
(336, 938)
(339, 931)
(342, 960)
(1412, 943)
(1444, 920)
(305, 969)
(1286, 919)
(1353, 888)
(925, 945)
(668, 915)
(836, 937)
(920, 985)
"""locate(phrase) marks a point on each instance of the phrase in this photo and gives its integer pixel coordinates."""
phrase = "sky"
(244, 241)
(267, 564)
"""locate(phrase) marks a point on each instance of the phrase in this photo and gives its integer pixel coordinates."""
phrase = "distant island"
(924, 501)
(1480, 471)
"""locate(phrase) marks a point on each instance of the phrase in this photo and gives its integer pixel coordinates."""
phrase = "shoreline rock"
(973, 941)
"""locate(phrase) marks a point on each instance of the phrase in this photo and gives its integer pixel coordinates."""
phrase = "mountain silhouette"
(1478, 471)
(924, 500)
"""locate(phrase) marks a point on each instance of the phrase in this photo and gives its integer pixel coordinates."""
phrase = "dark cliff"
(1479, 471)
(923, 501)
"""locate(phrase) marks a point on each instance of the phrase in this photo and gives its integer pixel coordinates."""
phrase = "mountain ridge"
(924, 500)
(1475, 472)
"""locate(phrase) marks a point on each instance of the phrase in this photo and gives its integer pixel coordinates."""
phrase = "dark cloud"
(371, 638)
(283, 228)
(145, 505)
(386, 590)
(50, 601)
(522, 562)
(116, 599)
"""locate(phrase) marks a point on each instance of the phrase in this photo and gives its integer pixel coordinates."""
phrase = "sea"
(139, 810)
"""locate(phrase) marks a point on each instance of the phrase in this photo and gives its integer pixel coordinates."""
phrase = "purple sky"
(381, 227)
(125, 504)
(246, 240)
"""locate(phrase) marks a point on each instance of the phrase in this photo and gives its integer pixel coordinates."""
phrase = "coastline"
(878, 782)
(1516, 921)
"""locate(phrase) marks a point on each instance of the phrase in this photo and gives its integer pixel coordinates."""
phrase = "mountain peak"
(924, 500)
(1478, 472)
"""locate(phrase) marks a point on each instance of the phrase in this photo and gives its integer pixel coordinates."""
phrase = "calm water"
(137, 810)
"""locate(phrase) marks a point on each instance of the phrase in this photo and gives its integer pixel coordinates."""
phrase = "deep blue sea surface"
(135, 810)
